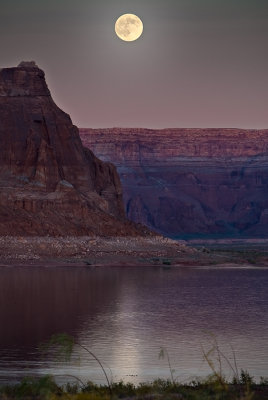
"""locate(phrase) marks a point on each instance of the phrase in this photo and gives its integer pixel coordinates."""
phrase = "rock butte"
(190, 182)
(49, 183)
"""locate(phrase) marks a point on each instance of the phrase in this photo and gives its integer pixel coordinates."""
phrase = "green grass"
(211, 388)
(214, 387)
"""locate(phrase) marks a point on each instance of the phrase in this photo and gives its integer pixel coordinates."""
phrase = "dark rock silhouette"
(50, 183)
(190, 181)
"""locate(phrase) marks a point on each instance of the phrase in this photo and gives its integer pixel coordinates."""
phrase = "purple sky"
(197, 64)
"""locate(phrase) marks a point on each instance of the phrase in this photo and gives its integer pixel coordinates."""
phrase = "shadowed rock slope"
(190, 182)
(49, 183)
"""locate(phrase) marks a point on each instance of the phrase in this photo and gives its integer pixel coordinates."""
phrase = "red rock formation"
(50, 183)
(190, 181)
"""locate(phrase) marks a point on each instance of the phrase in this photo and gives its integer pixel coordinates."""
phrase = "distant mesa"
(49, 183)
(190, 182)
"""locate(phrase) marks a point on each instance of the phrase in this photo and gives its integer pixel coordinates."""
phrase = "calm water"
(125, 315)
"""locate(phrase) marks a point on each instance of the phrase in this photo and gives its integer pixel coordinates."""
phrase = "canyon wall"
(49, 183)
(190, 182)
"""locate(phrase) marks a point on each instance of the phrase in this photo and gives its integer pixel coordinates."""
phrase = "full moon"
(129, 27)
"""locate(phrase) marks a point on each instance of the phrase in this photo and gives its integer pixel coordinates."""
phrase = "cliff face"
(190, 181)
(50, 183)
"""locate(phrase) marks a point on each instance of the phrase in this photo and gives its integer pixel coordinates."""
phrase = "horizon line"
(175, 128)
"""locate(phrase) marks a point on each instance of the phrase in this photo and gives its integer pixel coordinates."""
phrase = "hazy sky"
(199, 63)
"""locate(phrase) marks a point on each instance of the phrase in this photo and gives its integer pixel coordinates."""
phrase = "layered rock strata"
(49, 183)
(190, 182)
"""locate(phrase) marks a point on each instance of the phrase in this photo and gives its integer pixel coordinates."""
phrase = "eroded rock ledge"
(49, 183)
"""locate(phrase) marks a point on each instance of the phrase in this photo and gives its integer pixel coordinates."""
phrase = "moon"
(129, 27)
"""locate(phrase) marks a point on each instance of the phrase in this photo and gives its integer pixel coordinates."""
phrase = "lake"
(125, 315)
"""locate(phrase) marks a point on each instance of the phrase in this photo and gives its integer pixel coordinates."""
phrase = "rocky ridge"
(190, 182)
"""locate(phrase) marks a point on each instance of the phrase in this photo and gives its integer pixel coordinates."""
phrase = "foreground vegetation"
(213, 388)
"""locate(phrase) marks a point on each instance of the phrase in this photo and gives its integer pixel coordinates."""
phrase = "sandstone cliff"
(50, 183)
(185, 182)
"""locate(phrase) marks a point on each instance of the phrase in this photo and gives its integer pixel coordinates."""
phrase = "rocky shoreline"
(91, 250)
(121, 251)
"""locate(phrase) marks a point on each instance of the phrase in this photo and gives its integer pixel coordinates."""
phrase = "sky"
(198, 63)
